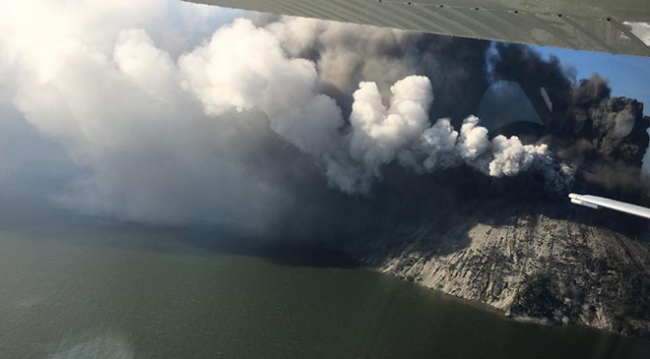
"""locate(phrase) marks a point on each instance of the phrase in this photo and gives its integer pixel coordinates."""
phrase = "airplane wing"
(614, 26)
(598, 202)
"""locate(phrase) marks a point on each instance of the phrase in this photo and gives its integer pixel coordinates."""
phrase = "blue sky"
(628, 75)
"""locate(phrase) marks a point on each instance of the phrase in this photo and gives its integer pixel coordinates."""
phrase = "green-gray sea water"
(98, 292)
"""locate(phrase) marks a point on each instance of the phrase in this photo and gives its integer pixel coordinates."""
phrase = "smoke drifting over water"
(176, 114)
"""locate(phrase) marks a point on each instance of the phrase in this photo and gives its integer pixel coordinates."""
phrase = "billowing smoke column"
(227, 76)
(402, 132)
(171, 119)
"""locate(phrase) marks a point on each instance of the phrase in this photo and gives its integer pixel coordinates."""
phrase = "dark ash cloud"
(288, 125)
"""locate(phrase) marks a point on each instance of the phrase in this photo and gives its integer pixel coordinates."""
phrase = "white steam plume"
(167, 128)
(254, 73)
(380, 134)
(402, 132)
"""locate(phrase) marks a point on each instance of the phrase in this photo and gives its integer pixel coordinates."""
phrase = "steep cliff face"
(552, 262)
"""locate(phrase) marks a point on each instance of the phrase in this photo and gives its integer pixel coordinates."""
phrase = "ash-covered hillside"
(527, 256)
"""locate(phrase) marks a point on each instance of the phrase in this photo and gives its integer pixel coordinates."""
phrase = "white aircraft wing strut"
(600, 202)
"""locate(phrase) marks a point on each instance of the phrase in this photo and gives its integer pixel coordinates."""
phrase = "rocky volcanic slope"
(553, 262)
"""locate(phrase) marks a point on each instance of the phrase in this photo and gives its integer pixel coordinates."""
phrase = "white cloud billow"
(175, 119)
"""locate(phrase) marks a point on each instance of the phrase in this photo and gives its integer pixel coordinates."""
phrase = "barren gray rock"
(550, 262)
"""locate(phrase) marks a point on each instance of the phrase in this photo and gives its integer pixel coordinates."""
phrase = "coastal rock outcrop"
(555, 263)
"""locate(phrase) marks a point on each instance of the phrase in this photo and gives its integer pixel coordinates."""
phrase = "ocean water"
(119, 293)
